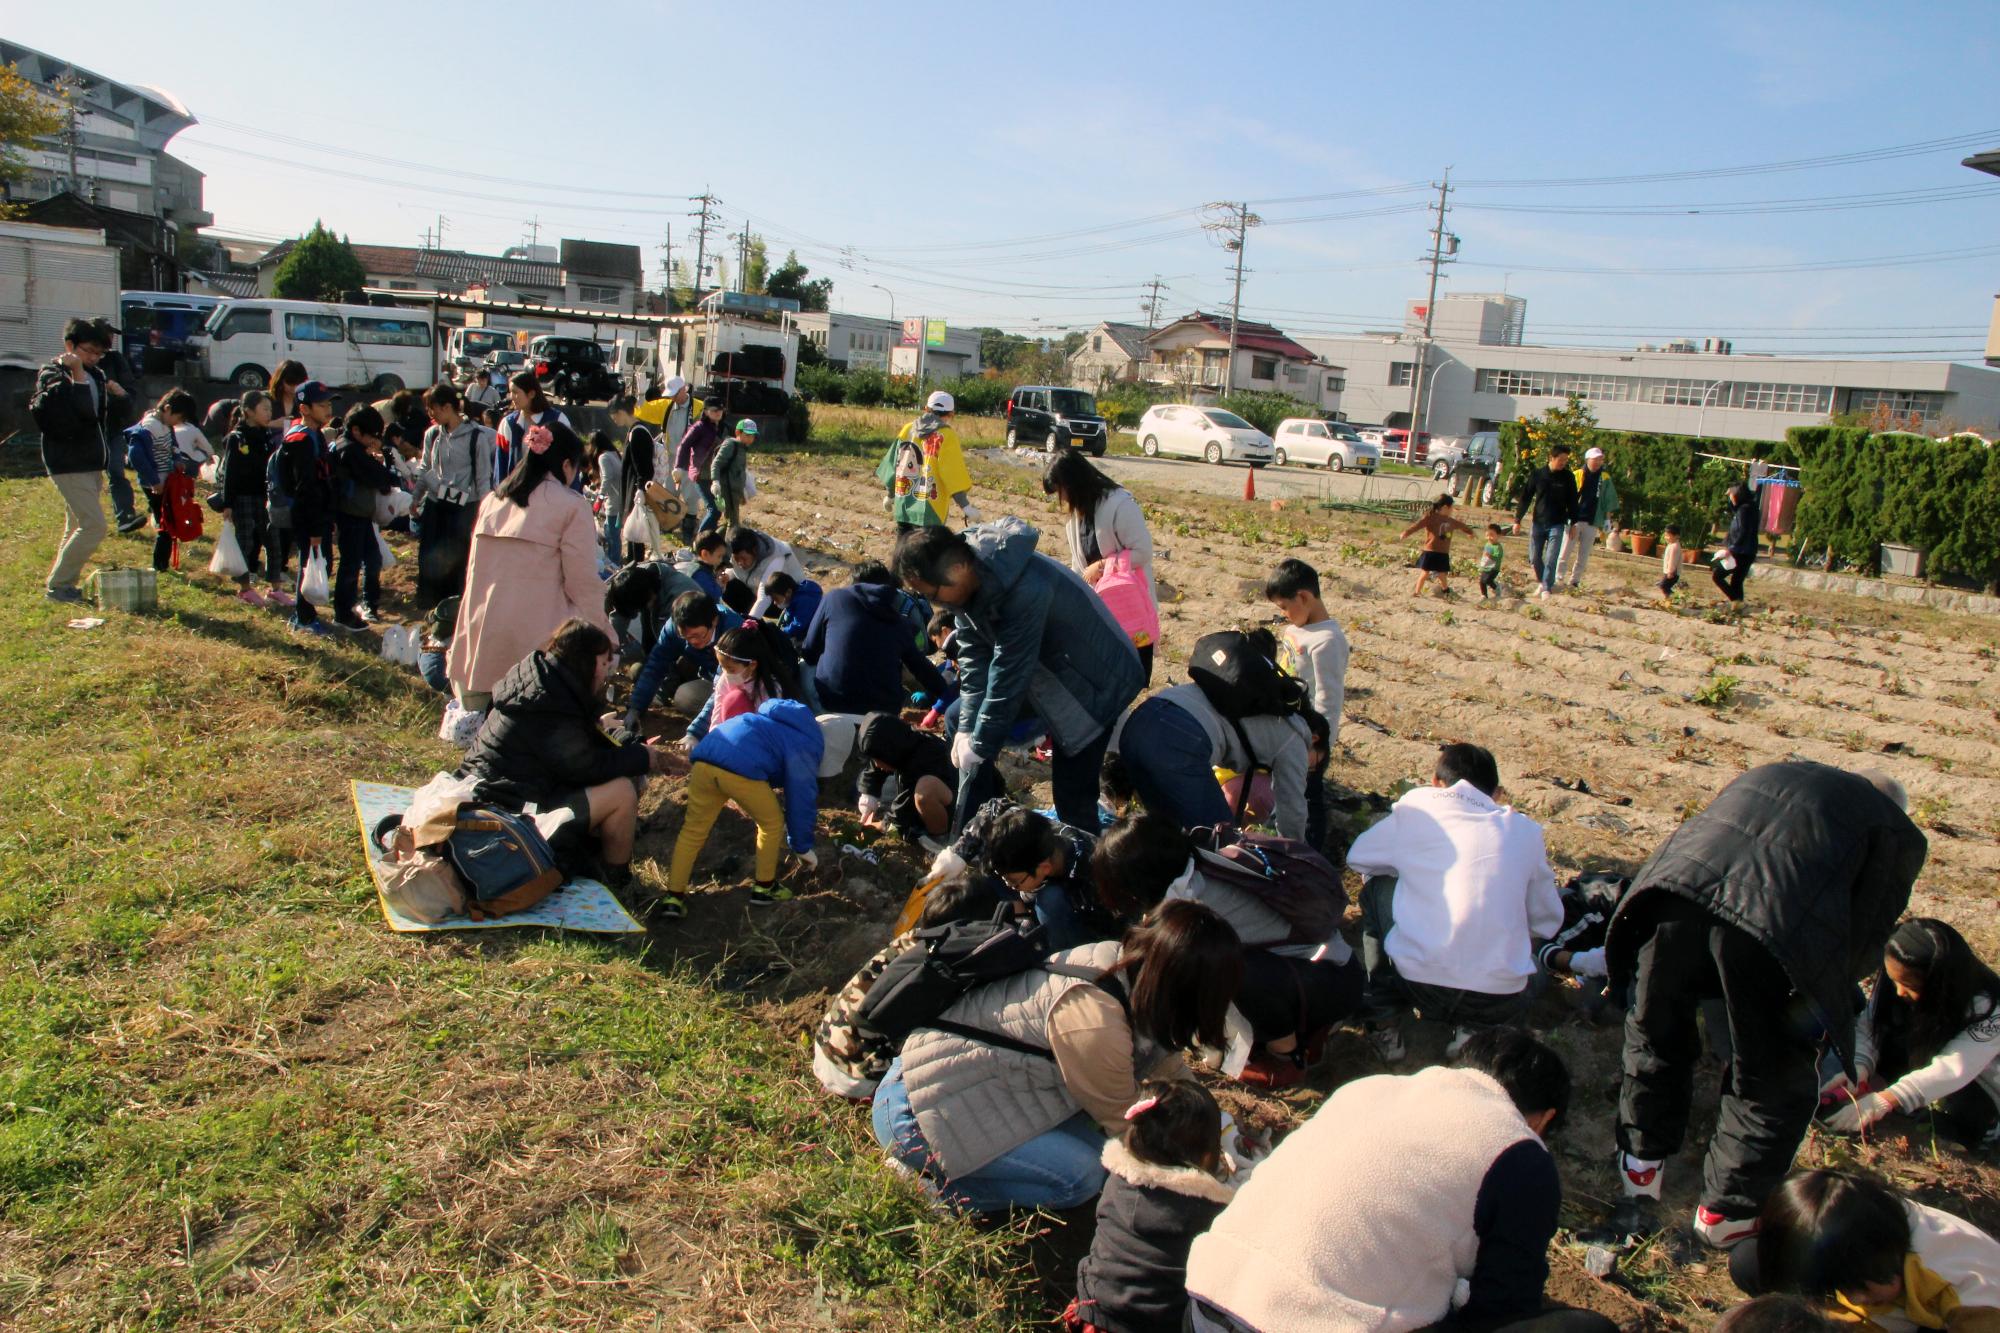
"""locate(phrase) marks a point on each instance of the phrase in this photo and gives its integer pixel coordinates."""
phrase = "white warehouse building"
(1481, 372)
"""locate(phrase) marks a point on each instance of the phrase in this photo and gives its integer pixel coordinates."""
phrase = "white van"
(379, 348)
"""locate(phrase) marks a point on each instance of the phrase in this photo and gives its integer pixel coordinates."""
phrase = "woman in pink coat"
(534, 565)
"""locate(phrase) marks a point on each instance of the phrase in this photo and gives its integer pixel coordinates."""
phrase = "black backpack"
(1239, 681)
(1288, 877)
(950, 961)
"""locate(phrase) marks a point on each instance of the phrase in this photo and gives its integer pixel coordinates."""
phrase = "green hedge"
(974, 395)
(1860, 490)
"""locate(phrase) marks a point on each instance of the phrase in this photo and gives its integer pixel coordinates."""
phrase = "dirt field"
(1612, 719)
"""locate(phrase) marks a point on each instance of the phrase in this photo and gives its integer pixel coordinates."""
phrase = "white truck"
(49, 276)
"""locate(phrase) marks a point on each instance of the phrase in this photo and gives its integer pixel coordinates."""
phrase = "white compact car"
(1333, 443)
(1202, 432)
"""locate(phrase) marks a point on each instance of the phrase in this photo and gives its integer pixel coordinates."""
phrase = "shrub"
(901, 391)
(866, 387)
(822, 383)
(798, 420)
(977, 395)
(1265, 410)
(1863, 489)
(1124, 404)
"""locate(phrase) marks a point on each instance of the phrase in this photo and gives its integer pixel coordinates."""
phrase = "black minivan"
(1049, 416)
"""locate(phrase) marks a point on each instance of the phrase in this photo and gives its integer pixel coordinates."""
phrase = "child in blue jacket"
(742, 761)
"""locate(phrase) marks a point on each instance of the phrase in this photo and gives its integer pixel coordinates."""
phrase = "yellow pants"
(709, 789)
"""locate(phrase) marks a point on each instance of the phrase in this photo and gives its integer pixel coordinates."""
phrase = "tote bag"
(1123, 588)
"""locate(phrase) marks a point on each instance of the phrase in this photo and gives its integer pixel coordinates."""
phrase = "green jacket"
(729, 473)
(1607, 499)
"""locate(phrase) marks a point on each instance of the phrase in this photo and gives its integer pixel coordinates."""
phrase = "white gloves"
(971, 512)
(867, 806)
(811, 859)
(1862, 1114)
(948, 864)
(962, 757)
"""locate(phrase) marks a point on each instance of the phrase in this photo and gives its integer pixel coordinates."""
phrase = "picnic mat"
(581, 904)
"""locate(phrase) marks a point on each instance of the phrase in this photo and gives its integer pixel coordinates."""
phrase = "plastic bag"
(641, 528)
(388, 551)
(401, 644)
(459, 725)
(433, 810)
(228, 558)
(394, 505)
(1122, 587)
(749, 486)
(313, 585)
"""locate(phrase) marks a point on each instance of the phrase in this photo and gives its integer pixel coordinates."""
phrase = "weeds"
(1930, 811)
(1717, 692)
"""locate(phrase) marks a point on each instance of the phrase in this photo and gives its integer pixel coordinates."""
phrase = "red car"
(1396, 444)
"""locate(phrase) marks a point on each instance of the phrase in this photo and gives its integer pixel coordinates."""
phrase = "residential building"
(1193, 354)
(1112, 353)
(587, 273)
(855, 342)
(1683, 388)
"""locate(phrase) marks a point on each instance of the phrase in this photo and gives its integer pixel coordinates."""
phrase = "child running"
(743, 762)
(1436, 525)
(1161, 1193)
(1489, 563)
(1670, 563)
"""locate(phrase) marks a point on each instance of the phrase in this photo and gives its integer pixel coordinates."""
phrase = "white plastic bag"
(388, 551)
(313, 585)
(228, 558)
(401, 644)
(640, 527)
(749, 486)
(459, 726)
(394, 505)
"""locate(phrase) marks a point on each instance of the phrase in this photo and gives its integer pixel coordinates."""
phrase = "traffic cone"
(1250, 483)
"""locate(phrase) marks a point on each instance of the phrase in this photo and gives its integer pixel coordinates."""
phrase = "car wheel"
(1013, 439)
(384, 385)
(1440, 472)
(247, 378)
(1150, 447)
(1278, 458)
(1098, 452)
(1335, 462)
(1054, 444)
(1213, 453)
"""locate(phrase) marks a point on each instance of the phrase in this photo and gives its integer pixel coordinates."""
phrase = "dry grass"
(884, 423)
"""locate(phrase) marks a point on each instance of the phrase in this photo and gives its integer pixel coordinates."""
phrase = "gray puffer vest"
(973, 1101)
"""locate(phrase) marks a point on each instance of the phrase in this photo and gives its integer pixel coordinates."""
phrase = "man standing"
(1778, 897)
(69, 405)
(121, 381)
(667, 416)
(1596, 504)
(1551, 493)
(924, 471)
(694, 459)
(305, 468)
(456, 472)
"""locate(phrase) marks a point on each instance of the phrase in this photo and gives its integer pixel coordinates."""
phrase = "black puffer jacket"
(1134, 1280)
(541, 740)
(910, 754)
(1551, 493)
(1811, 861)
(71, 416)
(1742, 538)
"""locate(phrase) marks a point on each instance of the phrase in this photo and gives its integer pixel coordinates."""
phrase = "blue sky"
(1032, 165)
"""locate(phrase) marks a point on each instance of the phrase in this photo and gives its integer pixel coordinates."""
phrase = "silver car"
(1335, 444)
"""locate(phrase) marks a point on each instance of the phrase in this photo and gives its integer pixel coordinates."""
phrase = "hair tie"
(539, 439)
(1140, 1107)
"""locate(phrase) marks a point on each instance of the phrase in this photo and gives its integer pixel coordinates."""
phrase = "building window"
(1796, 398)
(1336, 384)
(597, 295)
(1898, 402)
(1263, 368)
(1513, 383)
(1295, 374)
(1096, 342)
(1400, 372)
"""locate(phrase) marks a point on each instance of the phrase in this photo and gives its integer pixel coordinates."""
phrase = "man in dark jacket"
(305, 473)
(541, 745)
(360, 478)
(69, 406)
(695, 456)
(1740, 546)
(122, 382)
(1551, 493)
(1033, 638)
(859, 644)
(1778, 897)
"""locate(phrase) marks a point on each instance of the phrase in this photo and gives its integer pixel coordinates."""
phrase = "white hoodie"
(1474, 888)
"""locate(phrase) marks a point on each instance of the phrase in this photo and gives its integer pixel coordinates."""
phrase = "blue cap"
(313, 391)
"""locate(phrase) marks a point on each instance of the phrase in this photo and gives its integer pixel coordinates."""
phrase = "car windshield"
(1342, 431)
(479, 344)
(1072, 403)
(1227, 420)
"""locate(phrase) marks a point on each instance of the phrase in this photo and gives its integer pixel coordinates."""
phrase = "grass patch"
(229, 1097)
(1716, 692)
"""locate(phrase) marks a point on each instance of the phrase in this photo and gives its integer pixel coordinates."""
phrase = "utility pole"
(1233, 222)
(668, 249)
(702, 228)
(534, 230)
(1151, 305)
(69, 85)
(1443, 246)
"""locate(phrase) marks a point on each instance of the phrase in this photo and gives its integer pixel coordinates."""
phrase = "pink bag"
(1123, 588)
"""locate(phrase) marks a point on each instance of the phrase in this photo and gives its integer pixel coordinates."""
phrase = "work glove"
(962, 757)
(971, 512)
(1863, 1113)
(888, 504)
(868, 805)
(810, 858)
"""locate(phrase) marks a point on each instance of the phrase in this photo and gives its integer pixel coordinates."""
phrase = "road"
(1273, 483)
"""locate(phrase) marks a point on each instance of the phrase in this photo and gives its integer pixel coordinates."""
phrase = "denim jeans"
(122, 498)
(360, 565)
(1057, 1169)
(1544, 548)
(1057, 914)
(711, 512)
(1172, 763)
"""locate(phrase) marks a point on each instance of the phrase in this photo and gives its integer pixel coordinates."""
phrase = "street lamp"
(1701, 419)
(892, 299)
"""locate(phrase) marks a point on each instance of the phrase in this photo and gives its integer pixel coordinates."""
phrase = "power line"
(1918, 148)
(1833, 203)
(1729, 270)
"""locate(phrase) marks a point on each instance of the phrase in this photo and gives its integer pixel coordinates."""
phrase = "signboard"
(913, 331)
(903, 361)
(747, 303)
(933, 333)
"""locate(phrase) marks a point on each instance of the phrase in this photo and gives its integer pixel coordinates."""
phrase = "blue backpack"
(140, 458)
(505, 862)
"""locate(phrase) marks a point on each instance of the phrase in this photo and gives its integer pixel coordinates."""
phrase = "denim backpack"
(503, 860)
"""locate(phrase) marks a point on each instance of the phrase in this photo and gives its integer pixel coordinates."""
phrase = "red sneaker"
(1274, 1072)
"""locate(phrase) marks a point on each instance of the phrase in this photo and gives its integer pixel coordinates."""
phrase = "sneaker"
(353, 624)
(68, 596)
(317, 628)
(769, 895)
(368, 615)
(1269, 1070)
(667, 907)
(1721, 1233)
(251, 597)
(1638, 1178)
(1459, 1036)
(1388, 1043)
(132, 524)
(279, 597)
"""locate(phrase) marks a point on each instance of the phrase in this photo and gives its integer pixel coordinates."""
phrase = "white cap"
(1591, 453)
(672, 388)
(940, 402)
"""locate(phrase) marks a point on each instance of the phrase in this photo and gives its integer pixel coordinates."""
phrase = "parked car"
(466, 348)
(1332, 443)
(157, 326)
(1396, 444)
(1202, 432)
(1053, 417)
(1482, 446)
(572, 369)
(1371, 434)
(380, 348)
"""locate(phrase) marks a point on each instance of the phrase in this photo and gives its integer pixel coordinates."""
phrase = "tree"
(681, 287)
(321, 267)
(998, 351)
(789, 279)
(25, 116)
(757, 269)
